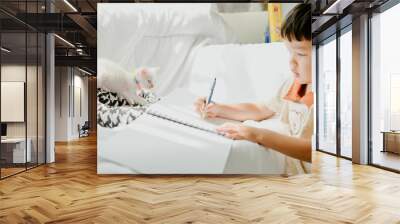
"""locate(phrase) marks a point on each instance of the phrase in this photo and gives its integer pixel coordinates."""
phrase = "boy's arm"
(244, 111)
(238, 112)
(299, 148)
(294, 147)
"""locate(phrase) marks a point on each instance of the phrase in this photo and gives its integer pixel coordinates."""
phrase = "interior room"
(22, 99)
(52, 169)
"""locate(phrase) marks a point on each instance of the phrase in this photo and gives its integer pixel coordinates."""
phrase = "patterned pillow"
(111, 117)
(113, 110)
(111, 99)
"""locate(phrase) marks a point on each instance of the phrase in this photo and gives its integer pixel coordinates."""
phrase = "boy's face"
(300, 59)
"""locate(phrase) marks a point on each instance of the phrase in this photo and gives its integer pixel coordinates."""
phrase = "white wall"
(239, 23)
(17, 73)
(79, 117)
(69, 81)
(61, 103)
(250, 23)
(34, 125)
(14, 73)
(250, 7)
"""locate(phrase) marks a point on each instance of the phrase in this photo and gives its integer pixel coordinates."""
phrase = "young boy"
(294, 103)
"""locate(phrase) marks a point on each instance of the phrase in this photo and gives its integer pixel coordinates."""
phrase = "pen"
(209, 99)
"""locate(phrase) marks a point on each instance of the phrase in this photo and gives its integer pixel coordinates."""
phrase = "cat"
(131, 86)
(145, 84)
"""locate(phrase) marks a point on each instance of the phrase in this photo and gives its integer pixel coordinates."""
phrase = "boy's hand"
(236, 131)
(209, 111)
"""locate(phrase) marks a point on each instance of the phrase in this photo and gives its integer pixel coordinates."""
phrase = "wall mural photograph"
(189, 89)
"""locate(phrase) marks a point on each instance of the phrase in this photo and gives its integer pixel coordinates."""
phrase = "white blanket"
(159, 35)
(250, 158)
(155, 146)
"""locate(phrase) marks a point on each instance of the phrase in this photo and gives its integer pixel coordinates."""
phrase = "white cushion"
(245, 73)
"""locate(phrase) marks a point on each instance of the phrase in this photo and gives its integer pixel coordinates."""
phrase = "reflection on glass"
(346, 94)
(31, 101)
(327, 97)
(385, 84)
(13, 85)
(41, 98)
(394, 101)
(23, 91)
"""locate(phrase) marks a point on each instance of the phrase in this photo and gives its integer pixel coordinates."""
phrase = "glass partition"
(327, 96)
(385, 89)
(13, 94)
(41, 107)
(23, 89)
(31, 99)
(346, 93)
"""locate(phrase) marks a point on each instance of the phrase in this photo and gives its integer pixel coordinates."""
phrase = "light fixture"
(5, 50)
(64, 40)
(79, 51)
(337, 7)
(70, 5)
(84, 71)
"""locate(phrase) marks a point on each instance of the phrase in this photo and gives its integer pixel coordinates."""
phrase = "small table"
(391, 141)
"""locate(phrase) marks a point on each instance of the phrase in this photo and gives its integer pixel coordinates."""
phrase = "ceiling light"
(5, 50)
(84, 71)
(338, 6)
(64, 40)
(70, 5)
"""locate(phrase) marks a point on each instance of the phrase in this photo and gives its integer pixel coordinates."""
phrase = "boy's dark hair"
(298, 23)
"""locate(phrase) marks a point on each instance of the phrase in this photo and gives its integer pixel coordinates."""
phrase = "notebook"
(178, 107)
(157, 145)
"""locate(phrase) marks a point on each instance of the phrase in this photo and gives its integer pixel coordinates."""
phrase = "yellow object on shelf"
(275, 21)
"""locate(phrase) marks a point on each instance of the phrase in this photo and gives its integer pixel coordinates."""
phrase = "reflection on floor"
(346, 152)
(387, 159)
(10, 169)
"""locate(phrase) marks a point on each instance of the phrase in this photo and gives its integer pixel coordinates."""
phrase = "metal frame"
(369, 78)
(338, 97)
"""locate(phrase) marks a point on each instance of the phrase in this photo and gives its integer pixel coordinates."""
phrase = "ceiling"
(76, 20)
(332, 15)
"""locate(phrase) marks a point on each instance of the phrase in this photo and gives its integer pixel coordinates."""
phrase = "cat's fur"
(111, 77)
